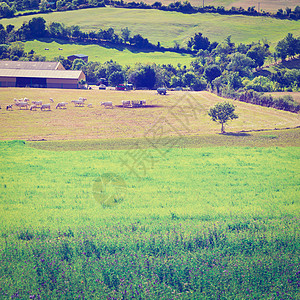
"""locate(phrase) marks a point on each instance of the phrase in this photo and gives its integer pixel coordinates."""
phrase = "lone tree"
(222, 113)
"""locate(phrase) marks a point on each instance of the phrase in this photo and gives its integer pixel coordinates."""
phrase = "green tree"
(125, 34)
(6, 11)
(222, 113)
(240, 63)
(37, 27)
(143, 76)
(258, 53)
(78, 64)
(198, 42)
(16, 49)
(116, 78)
(211, 72)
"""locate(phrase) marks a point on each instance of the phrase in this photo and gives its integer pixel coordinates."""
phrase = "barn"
(39, 75)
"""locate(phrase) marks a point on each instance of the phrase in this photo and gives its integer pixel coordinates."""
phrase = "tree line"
(10, 8)
(37, 28)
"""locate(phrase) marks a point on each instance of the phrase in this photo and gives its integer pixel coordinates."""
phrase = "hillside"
(167, 27)
(123, 56)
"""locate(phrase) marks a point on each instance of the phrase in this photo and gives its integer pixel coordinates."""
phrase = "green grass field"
(191, 214)
(102, 54)
(166, 27)
(207, 223)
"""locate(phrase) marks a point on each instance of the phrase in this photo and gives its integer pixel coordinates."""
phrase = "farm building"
(38, 74)
(31, 65)
(84, 57)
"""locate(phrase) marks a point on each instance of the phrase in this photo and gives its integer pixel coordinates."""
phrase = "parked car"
(102, 87)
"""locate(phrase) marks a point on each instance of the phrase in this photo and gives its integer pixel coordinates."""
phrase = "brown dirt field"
(175, 114)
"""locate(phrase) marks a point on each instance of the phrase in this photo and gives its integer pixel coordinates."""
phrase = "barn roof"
(57, 74)
(29, 65)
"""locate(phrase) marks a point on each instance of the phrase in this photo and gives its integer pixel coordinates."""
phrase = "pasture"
(167, 27)
(181, 114)
(203, 215)
(206, 223)
(101, 54)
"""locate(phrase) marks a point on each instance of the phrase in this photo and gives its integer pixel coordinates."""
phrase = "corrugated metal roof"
(57, 74)
(29, 65)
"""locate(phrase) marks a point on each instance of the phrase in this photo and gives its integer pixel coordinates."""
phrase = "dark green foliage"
(116, 78)
(37, 27)
(143, 77)
(198, 42)
(211, 72)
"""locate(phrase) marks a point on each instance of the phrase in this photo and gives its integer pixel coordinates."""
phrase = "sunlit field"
(207, 223)
(181, 114)
(167, 27)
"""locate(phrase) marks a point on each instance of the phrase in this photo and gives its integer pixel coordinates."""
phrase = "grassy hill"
(122, 55)
(167, 27)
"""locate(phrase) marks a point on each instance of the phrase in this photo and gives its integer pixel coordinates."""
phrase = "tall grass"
(207, 223)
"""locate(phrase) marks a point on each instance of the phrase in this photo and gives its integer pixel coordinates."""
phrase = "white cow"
(107, 104)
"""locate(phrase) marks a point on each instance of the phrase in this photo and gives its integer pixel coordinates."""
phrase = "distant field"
(266, 5)
(167, 27)
(177, 114)
(102, 54)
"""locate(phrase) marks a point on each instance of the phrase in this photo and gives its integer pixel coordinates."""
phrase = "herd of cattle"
(24, 103)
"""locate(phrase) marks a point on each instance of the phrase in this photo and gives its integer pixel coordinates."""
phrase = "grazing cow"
(51, 100)
(78, 102)
(61, 105)
(126, 103)
(22, 104)
(37, 103)
(9, 107)
(107, 104)
(26, 100)
(33, 107)
(90, 105)
(46, 106)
